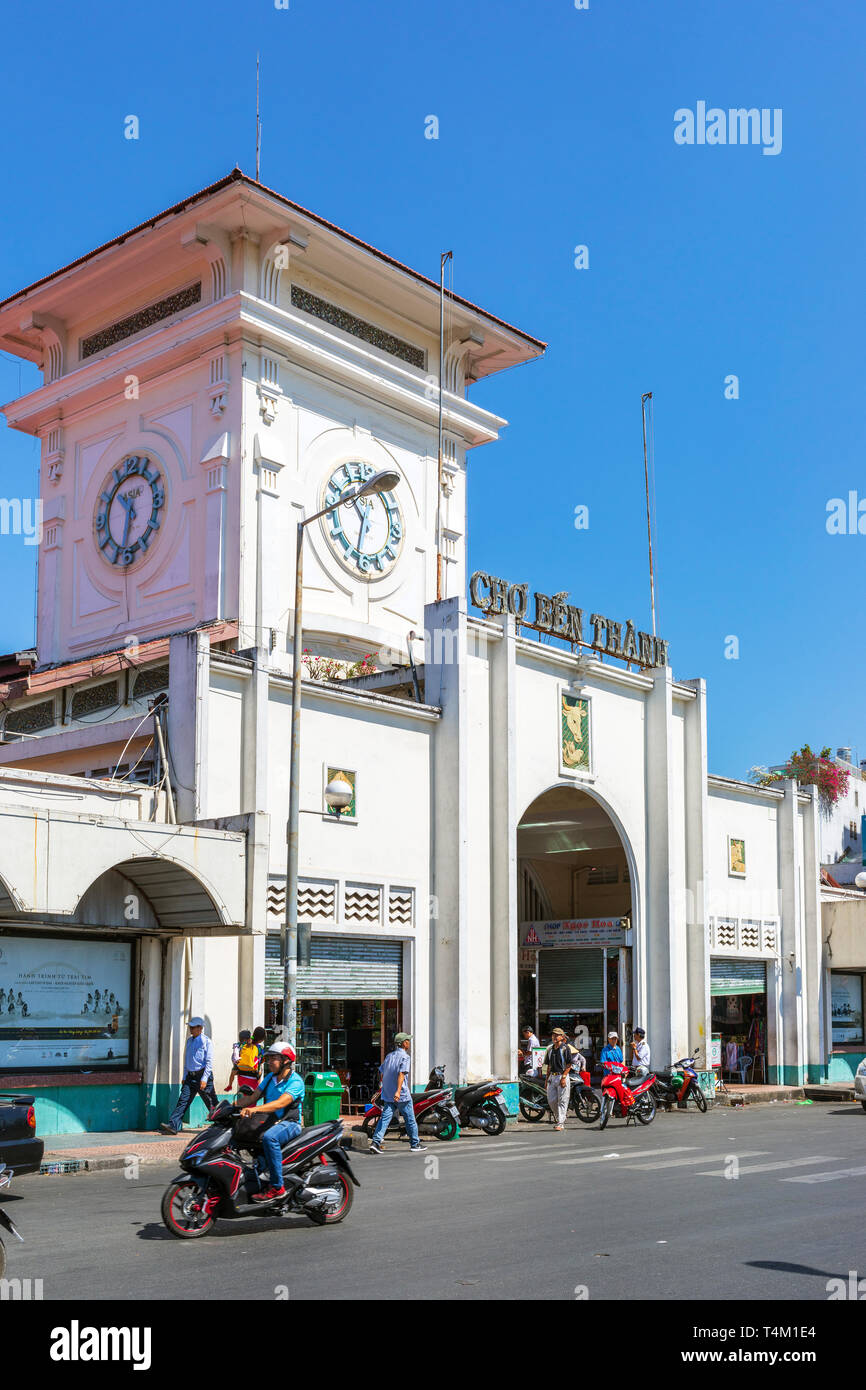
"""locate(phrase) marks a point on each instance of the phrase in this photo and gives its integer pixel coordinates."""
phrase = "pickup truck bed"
(20, 1150)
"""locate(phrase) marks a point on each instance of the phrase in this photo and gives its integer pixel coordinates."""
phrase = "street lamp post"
(378, 483)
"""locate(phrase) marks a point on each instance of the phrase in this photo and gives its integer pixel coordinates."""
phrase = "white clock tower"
(211, 377)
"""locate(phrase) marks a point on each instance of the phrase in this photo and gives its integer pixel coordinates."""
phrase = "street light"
(377, 483)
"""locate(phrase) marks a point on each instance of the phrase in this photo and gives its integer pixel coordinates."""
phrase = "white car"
(860, 1083)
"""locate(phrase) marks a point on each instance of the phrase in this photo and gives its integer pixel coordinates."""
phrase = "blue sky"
(555, 130)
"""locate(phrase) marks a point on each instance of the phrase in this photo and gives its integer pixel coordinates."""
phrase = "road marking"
(603, 1158)
(699, 1158)
(828, 1177)
(771, 1167)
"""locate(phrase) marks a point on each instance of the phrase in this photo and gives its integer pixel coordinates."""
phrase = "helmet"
(281, 1050)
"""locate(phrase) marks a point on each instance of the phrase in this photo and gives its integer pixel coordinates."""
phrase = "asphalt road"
(636, 1212)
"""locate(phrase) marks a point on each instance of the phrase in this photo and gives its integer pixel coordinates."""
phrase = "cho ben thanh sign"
(554, 615)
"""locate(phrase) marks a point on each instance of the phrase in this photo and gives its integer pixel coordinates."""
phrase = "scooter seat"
(634, 1081)
(309, 1136)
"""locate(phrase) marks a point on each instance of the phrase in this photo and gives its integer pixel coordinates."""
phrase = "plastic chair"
(760, 1061)
(744, 1061)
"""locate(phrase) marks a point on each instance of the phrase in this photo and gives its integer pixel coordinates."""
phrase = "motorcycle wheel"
(186, 1226)
(448, 1129)
(587, 1108)
(700, 1098)
(495, 1120)
(532, 1111)
(606, 1111)
(645, 1109)
(330, 1218)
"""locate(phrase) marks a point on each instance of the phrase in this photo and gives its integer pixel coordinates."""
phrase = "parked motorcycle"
(435, 1113)
(615, 1080)
(679, 1084)
(584, 1101)
(479, 1105)
(6, 1221)
(217, 1182)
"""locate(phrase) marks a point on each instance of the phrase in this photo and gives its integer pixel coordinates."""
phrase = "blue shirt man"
(197, 1076)
(281, 1093)
(612, 1052)
(291, 1086)
(198, 1054)
(396, 1095)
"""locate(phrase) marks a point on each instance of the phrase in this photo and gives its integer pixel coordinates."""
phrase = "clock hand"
(129, 505)
(364, 524)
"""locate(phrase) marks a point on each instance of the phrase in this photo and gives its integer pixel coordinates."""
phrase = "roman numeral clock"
(129, 510)
(366, 536)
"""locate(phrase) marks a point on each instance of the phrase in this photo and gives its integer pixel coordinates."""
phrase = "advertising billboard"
(64, 1003)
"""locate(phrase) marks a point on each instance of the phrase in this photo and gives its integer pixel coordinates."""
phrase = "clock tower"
(211, 377)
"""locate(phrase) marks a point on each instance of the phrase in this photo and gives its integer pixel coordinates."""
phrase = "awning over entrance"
(342, 967)
(738, 977)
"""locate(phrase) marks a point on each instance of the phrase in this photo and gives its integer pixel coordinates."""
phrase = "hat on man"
(402, 1037)
(613, 1033)
(196, 1023)
(560, 1032)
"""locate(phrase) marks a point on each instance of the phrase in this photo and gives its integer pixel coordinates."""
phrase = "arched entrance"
(575, 915)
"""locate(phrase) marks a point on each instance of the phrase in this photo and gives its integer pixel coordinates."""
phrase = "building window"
(846, 1007)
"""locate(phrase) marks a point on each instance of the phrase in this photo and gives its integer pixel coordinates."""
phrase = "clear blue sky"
(556, 129)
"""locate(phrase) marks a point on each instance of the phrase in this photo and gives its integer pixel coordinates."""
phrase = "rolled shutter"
(738, 977)
(341, 967)
(570, 979)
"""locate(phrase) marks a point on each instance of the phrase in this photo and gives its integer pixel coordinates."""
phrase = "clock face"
(129, 511)
(366, 535)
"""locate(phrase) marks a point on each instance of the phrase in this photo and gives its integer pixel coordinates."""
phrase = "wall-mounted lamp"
(338, 794)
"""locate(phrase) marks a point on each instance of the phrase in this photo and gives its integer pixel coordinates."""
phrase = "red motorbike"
(435, 1114)
(623, 1094)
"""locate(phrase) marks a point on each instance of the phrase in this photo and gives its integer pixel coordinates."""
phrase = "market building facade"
(533, 833)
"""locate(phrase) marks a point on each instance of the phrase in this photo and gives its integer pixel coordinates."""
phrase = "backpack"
(249, 1058)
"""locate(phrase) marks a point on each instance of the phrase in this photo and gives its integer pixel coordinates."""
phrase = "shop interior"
(348, 1036)
(739, 1019)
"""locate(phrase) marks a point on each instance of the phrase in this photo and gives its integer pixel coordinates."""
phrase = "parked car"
(20, 1150)
(860, 1083)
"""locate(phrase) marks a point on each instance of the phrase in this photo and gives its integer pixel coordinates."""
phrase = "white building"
(538, 835)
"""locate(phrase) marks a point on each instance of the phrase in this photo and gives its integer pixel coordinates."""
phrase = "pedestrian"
(640, 1053)
(395, 1094)
(246, 1062)
(528, 1042)
(197, 1076)
(283, 1092)
(559, 1059)
(612, 1052)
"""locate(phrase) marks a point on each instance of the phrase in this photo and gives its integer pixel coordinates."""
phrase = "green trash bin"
(322, 1098)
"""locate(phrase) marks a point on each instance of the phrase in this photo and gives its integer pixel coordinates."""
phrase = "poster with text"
(64, 1003)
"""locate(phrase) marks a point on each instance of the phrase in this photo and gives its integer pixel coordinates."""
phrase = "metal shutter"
(738, 977)
(570, 979)
(341, 967)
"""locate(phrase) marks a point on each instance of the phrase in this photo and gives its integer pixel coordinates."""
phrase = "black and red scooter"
(218, 1183)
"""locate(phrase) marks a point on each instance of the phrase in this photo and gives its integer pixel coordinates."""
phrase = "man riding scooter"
(612, 1062)
(281, 1091)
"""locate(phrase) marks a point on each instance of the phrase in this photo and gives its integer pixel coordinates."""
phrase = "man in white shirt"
(640, 1052)
(527, 1043)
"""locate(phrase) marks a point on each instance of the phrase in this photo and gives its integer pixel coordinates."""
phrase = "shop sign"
(589, 931)
(552, 614)
(64, 1003)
